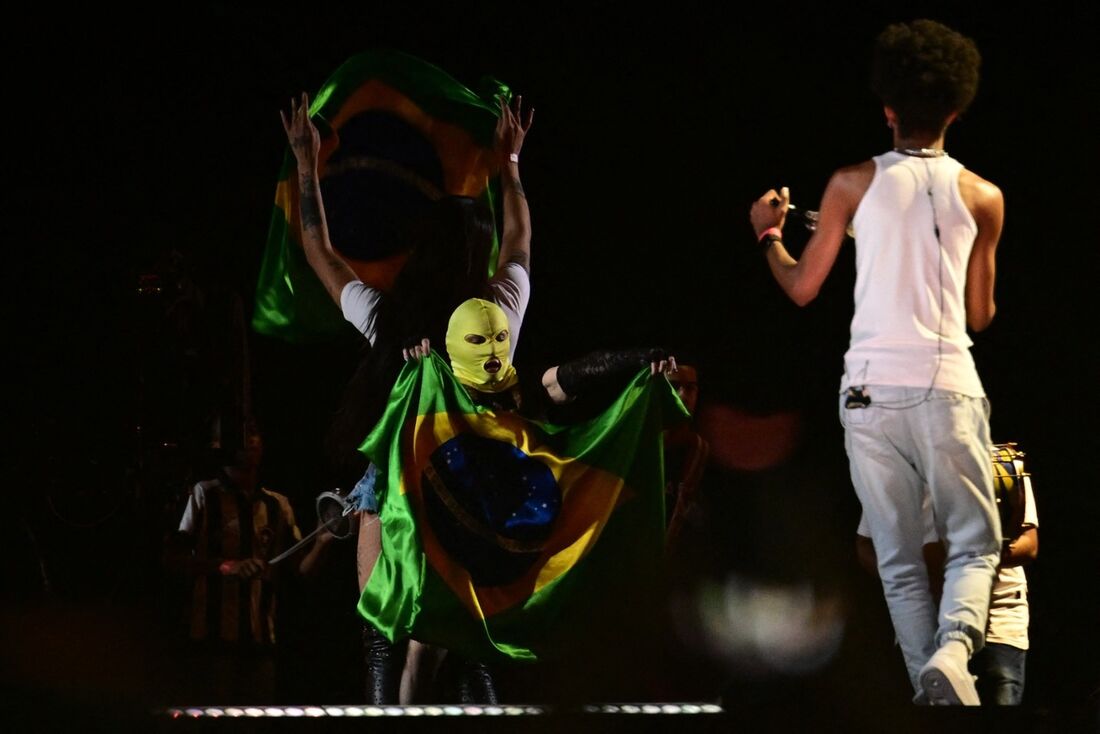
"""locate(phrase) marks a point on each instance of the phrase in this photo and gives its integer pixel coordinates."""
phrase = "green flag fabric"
(397, 133)
(499, 533)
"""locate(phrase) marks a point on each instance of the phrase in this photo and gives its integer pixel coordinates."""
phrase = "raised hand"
(301, 133)
(512, 127)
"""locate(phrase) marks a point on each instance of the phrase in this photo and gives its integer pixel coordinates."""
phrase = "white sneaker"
(946, 681)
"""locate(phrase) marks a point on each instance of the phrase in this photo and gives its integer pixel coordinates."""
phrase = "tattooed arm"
(515, 245)
(305, 141)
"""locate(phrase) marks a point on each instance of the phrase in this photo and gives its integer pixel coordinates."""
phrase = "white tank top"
(909, 327)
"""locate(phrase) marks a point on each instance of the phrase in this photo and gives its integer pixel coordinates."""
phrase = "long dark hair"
(448, 263)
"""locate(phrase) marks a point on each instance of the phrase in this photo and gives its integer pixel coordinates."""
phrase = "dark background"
(137, 135)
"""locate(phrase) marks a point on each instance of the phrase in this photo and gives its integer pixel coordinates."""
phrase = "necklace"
(922, 152)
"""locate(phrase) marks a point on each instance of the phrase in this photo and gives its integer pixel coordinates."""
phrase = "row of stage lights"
(255, 712)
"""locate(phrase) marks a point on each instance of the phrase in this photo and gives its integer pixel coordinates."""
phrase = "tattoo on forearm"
(309, 204)
(335, 262)
(514, 182)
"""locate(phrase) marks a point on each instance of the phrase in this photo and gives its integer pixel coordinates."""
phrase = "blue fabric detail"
(364, 497)
(490, 505)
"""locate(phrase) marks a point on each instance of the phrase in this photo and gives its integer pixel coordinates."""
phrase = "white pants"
(896, 446)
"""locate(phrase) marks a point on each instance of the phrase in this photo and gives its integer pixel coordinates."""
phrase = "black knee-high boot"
(474, 683)
(384, 661)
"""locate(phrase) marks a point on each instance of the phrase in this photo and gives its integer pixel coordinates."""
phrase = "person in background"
(230, 528)
(1000, 666)
(685, 455)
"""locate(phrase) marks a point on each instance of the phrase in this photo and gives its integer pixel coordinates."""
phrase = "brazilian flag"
(396, 134)
(500, 534)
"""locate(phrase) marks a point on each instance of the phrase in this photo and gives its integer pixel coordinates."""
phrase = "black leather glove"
(605, 367)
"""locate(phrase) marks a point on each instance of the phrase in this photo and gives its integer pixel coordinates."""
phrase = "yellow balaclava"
(478, 343)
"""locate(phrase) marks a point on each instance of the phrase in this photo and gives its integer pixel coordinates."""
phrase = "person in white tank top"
(912, 405)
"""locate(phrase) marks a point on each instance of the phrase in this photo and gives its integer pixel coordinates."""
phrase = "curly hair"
(924, 71)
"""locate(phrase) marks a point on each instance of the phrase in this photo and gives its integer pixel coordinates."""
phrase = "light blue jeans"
(364, 496)
(904, 440)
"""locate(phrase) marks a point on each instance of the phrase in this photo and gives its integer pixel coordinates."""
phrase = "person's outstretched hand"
(301, 133)
(512, 127)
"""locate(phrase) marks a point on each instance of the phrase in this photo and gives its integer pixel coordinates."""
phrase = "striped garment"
(227, 526)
